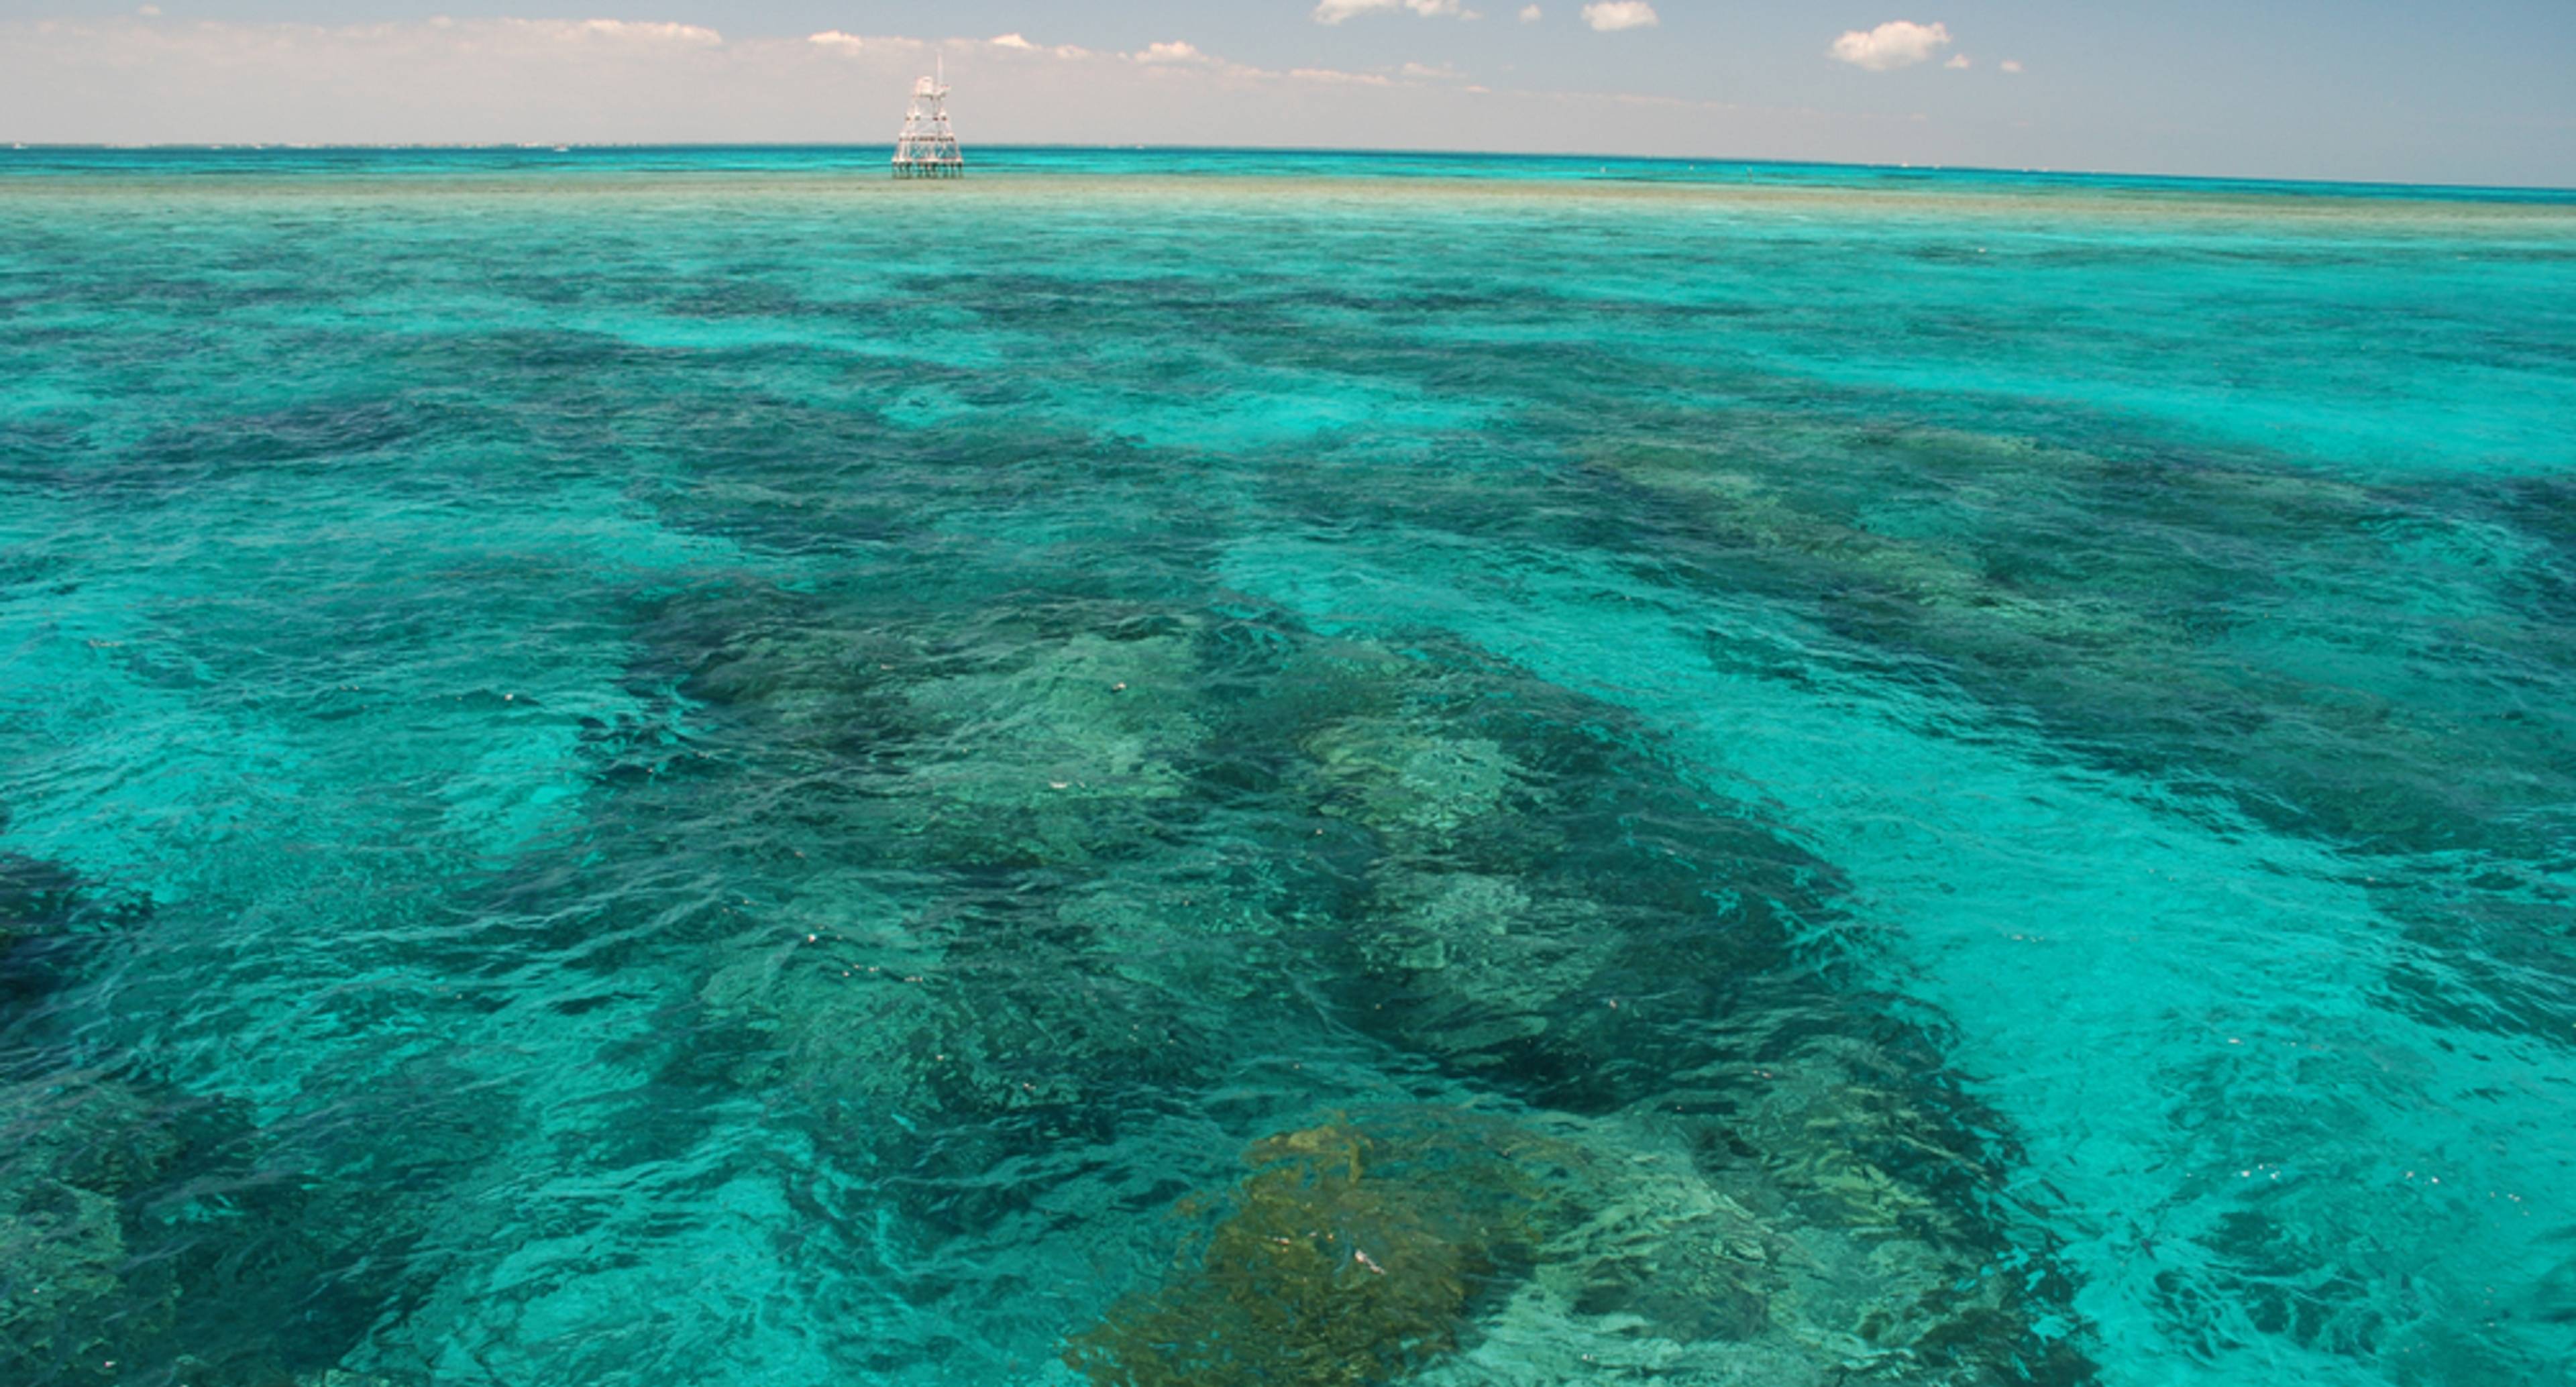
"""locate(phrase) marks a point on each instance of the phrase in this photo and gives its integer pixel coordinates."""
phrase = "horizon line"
(1381, 151)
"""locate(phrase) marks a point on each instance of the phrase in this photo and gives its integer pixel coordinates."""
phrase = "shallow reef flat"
(1068, 948)
(1214, 767)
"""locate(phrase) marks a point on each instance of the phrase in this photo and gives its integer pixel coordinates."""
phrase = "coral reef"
(71, 1297)
(933, 1030)
(2130, 647)
(1349, 1256)
(1396, 1243)
(33, 895)
(1049, 878)
(1421, 790)
(1566, 923)
(2303, 645)
(46, 911)
(1479, 969)
(151, 1238)
(993, 868)
(1057, 756)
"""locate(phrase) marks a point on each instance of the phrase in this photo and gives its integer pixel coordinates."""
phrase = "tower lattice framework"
(927, 148)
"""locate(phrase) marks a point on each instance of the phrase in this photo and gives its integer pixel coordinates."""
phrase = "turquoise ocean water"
(694, 768)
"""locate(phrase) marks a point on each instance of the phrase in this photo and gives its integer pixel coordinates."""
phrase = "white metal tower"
(927, 148)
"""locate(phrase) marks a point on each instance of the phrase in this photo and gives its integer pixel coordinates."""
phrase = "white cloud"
(1173, 52)
(1531, 14)
(1429, 73)
(1335, 11)
(1013, 41)
(621, 31)
(1338, 77)
(834, 38)
(150, 12)
(1897, 43)
(2009, 65)
(1179, 56)
(1959, 61)
(1610, 16)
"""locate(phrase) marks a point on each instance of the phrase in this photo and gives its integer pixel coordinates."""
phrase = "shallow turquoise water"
(694, 767)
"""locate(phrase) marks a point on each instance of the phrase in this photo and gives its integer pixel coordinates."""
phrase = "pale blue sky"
(2481, 91)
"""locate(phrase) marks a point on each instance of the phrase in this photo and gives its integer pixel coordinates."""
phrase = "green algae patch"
(1351, 1255)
